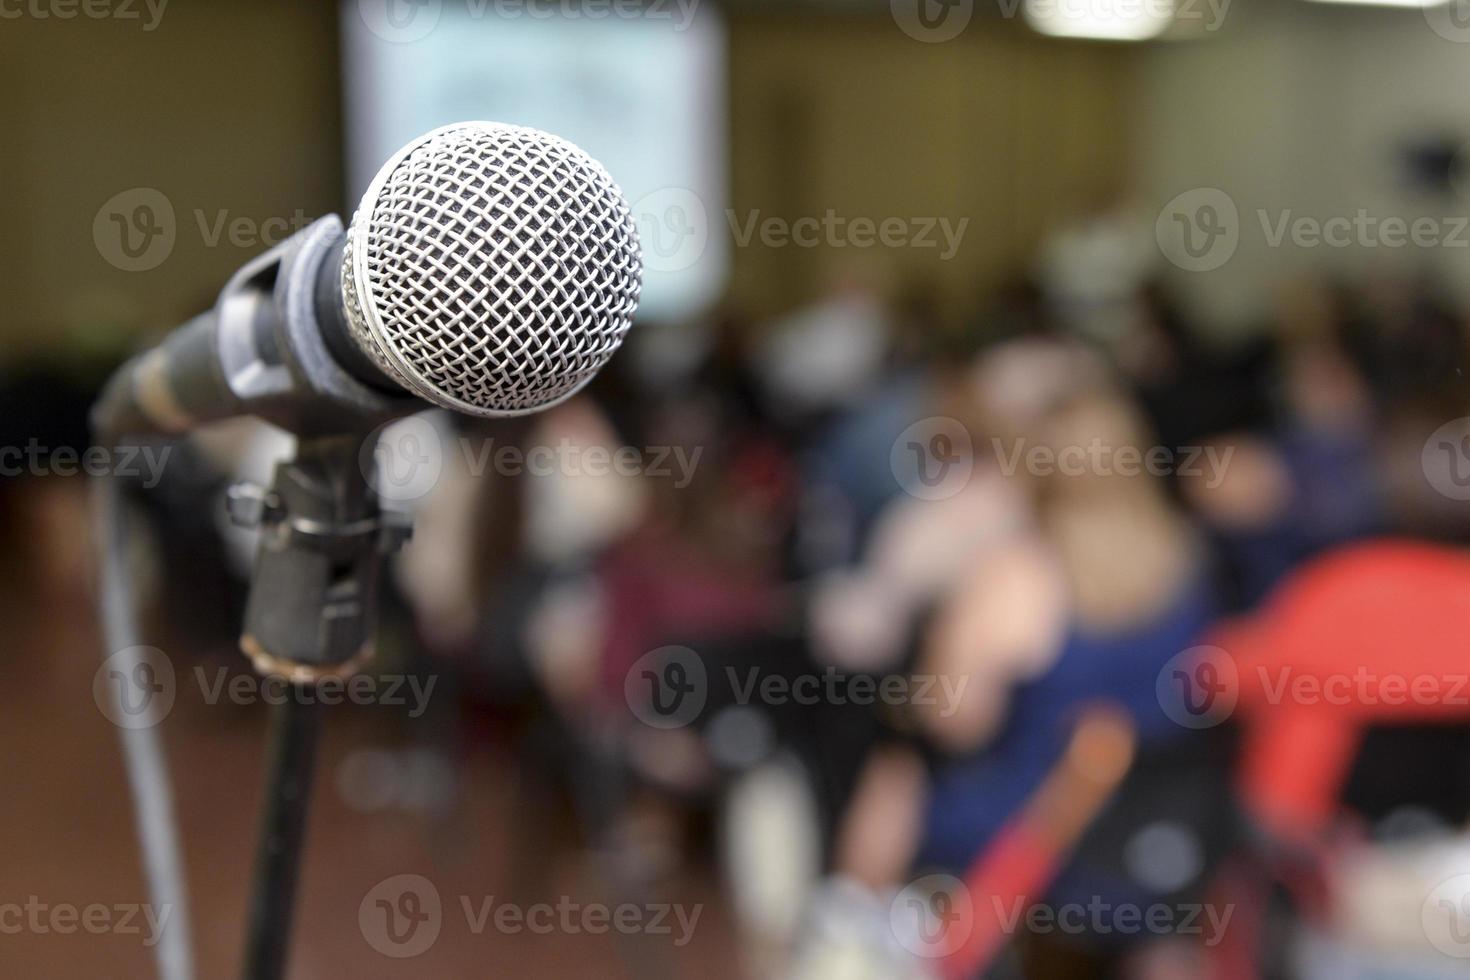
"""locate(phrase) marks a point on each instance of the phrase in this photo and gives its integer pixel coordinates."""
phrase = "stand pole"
(295, 725)
(308, 619)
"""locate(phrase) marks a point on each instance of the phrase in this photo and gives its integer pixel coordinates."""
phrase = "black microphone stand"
(309, 617)
(266, 350)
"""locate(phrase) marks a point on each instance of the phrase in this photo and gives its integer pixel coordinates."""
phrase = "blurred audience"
(1041, 593)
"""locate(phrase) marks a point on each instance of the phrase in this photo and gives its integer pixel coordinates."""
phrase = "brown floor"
(66, 836)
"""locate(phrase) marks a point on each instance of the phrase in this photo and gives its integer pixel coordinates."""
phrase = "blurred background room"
(1024, 534)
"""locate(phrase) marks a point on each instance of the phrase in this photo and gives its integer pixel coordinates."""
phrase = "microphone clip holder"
(313, 594)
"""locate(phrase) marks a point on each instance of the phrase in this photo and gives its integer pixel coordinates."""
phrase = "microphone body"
(275, 345)
(489, 269)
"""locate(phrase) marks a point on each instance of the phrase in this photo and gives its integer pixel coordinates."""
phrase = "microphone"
(489, 269)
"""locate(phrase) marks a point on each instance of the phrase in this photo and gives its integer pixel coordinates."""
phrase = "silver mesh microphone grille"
(491, 269)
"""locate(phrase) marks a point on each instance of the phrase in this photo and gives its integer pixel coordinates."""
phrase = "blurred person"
(847, 476)
(1414, 351)
(1420, 466)
(1087, 608)
(1192, 390)
(43, 411)
(1356, 747)
(919, 547)
(1310, 480)
(1409, 341)
(825, 356)
(1092, 268)
(707, 554)
(1016, 309)
(698, 557)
